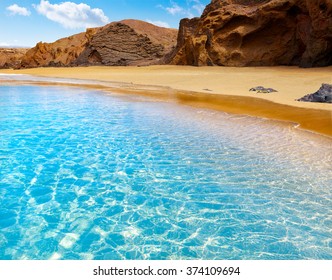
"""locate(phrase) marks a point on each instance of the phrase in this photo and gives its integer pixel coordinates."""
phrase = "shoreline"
(217, 88)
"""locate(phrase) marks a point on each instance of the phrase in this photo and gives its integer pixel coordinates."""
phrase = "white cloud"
(175, 9)
(3, 44)
(158, 23)
(72, 15)
(17, 10)
(192, 8)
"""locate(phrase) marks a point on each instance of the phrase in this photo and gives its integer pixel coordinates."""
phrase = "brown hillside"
(129, 42)
(11, 57)
(59, 53)
(165, 36)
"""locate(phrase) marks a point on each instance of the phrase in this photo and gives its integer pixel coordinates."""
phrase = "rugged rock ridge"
(11, 57)
(59, 53)
(129, 42)
(257, 33)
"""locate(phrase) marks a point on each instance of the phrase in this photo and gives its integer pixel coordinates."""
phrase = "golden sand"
(221, 88)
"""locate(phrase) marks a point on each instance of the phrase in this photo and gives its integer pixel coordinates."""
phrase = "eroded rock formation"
(128, 42)
(59, 53)
(257, 33)
(11, 57)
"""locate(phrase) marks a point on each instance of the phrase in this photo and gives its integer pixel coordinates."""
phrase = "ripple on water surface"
(85, 175)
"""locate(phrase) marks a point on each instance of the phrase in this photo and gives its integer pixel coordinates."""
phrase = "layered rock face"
(129, 42)
(11, 57)
(257, 33)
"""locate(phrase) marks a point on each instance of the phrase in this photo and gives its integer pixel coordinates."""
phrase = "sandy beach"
(221, 88)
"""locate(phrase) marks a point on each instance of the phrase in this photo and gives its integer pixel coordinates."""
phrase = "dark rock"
(323, 95)
(257, 88)
(261, 89)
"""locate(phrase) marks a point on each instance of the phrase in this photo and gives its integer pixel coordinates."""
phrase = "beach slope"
(221, 88)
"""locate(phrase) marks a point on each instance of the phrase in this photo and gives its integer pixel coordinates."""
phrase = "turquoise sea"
(91, 175)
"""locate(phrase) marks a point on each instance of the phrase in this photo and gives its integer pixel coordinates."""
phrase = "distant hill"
(128, 42)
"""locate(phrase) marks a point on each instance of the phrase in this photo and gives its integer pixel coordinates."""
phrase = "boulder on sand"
(323, 95)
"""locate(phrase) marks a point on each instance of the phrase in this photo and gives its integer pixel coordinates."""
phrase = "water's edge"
(318, 122)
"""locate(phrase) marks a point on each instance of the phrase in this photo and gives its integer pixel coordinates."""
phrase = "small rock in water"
(323, 95)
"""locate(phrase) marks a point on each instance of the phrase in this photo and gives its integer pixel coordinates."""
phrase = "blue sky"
(26, 22)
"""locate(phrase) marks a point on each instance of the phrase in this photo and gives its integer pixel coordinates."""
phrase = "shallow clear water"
(86, 175)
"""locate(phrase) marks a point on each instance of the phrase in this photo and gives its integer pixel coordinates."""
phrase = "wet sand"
(221, 88)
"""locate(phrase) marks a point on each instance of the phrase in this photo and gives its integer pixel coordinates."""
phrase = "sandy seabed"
(221, 88)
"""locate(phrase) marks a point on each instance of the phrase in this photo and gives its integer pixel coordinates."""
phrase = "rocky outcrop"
(257, 33)
(323, 95)
(11, 57)
(128, 42)
(59, 53)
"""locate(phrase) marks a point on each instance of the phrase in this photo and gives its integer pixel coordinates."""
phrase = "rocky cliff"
(59, 53)
(11, 57)
(128, 42)
(257, 33)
